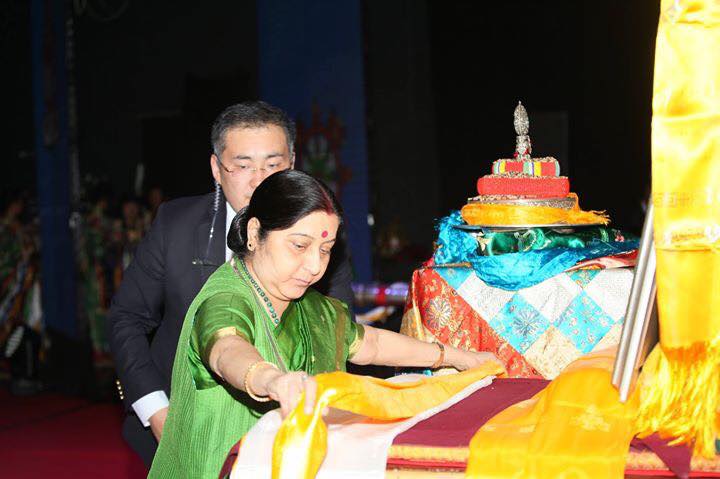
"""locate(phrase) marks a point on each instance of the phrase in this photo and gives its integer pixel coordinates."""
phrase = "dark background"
(442, 80)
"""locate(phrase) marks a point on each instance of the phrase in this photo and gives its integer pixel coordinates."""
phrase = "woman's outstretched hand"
(286, 388)
(463, 360)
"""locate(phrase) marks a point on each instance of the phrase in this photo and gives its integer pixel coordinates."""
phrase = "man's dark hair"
(250, 114)
(279, 202)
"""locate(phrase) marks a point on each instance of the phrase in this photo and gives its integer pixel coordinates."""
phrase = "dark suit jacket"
(157, 289)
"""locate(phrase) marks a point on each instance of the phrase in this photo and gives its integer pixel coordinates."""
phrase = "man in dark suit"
(185, 245)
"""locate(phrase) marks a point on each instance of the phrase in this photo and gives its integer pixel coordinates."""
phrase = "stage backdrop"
(311, 65)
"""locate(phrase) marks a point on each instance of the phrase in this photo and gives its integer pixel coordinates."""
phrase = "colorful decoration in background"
(321, 82)
(536, 332)
(380, 294)
(319, 149)
(683, 395)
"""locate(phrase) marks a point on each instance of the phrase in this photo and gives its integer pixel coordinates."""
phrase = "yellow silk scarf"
(301, 442)
(576, 427)
(499, 215)
(683, 398)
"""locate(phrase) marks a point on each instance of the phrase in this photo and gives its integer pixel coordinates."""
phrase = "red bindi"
(324, 234)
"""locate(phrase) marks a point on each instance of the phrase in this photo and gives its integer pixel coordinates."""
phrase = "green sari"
(208, 416)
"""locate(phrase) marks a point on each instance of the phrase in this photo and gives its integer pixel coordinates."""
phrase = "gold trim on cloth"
(433, 473)
(429, 453)
(411, 321)
(636, 460)
(357, 343)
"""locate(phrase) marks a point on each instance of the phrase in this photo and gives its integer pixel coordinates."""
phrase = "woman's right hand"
(286, 388)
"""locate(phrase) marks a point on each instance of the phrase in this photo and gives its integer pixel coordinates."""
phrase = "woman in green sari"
(256, 332)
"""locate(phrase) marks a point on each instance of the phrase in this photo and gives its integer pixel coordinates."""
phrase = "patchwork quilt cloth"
(535, 331)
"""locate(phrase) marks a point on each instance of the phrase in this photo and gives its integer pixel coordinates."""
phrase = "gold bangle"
(441, 359)
(246, 382)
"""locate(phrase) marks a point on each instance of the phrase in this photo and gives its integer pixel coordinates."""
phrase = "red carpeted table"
(440, 443)
(438, 446)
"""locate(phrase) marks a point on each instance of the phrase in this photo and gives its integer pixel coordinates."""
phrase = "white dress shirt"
(151, 403)
(229, 216)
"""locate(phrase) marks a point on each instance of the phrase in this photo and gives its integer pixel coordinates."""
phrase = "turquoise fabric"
(514, 271)
(503, 242)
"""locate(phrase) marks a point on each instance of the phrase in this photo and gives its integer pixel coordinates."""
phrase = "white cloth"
(355, 451)
(151, 403)
(229, 215)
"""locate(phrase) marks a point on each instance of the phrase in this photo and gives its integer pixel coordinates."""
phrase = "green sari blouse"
(208, 416)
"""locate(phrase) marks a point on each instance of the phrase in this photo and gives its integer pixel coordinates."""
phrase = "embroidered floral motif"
(591, 419)
(524, 324)
(438, 313)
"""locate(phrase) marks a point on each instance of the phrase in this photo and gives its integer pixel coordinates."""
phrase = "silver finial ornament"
(523, 147)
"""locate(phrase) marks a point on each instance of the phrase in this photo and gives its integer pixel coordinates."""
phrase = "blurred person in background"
(21, 324)
(154, 199)
(130, 229)
(95, 272)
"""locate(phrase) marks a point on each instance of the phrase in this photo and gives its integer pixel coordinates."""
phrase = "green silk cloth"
(207, 416)
(502, 242)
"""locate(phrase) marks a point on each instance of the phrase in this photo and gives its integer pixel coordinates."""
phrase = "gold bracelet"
(441, 359)
(246, 382)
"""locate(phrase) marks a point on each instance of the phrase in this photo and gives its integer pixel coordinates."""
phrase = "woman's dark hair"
(279, 202)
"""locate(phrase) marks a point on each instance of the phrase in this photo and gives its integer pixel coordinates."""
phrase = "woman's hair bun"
(236, 238)
(279, 202)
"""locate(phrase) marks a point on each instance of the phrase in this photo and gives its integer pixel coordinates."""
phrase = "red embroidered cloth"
(434, 306)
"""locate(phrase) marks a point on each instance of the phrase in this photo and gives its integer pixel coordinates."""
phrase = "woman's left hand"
(463, 360)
